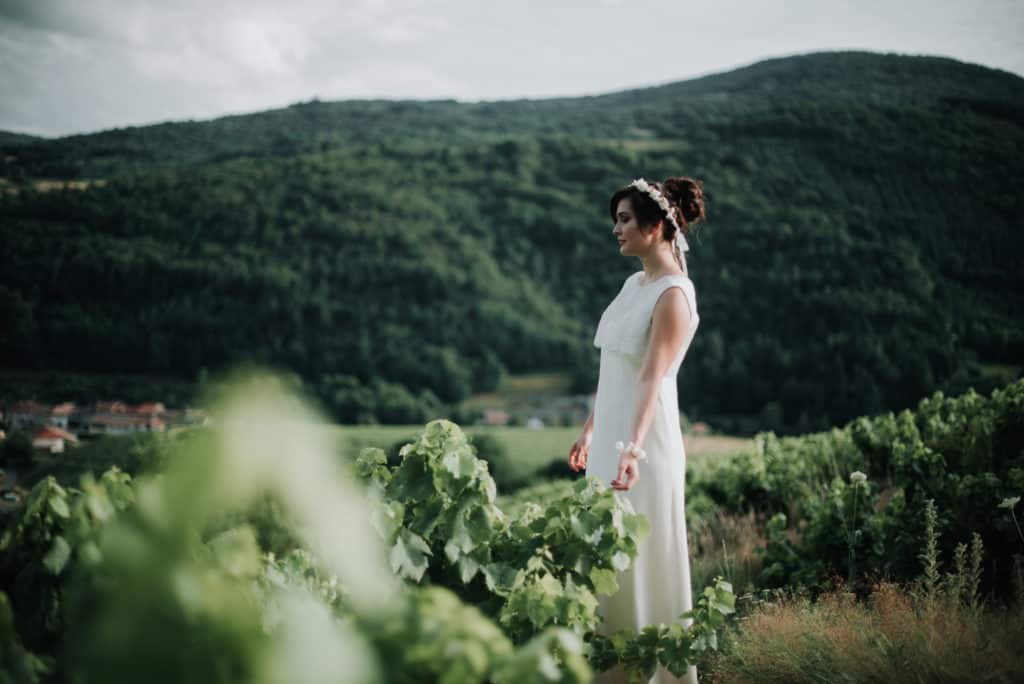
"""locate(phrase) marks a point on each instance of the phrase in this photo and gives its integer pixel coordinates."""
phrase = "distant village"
(54, 428)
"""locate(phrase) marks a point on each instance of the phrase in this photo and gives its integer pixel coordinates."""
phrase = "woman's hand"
(629, 472)
(579, 451)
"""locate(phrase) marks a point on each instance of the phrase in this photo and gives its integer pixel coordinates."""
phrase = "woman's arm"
(588, 427)
(579, 451)
(670, 321)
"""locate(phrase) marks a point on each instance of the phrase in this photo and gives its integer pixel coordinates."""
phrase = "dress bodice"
(625, 325)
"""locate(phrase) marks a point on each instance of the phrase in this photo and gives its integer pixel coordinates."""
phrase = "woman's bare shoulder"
(674, 300)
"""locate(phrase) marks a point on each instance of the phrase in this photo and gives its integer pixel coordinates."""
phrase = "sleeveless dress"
(656, 587)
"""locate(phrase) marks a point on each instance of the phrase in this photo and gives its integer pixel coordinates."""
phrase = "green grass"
(530, 449)
(517, 390)
(541, 494)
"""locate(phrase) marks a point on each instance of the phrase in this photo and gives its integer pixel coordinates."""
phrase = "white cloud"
(381, 79)
(146, 62)
(68, 66)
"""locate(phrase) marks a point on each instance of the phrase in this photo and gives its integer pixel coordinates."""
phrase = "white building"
(52, 439)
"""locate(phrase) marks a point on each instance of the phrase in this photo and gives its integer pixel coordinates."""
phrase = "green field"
(518, 390)
(529, 449)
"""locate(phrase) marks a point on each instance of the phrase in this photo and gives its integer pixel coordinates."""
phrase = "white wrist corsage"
(631, 448)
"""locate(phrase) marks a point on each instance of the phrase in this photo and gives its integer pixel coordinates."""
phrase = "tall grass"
(936, 629)
(891, 638)
(725, 544)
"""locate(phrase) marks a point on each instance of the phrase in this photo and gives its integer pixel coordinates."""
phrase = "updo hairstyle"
(684, 194)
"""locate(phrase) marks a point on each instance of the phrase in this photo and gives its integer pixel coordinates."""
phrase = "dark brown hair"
(684, 194)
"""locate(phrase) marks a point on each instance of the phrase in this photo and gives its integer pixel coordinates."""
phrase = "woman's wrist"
(631, 449)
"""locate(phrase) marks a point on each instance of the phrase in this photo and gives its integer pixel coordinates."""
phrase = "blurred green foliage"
(252, 555)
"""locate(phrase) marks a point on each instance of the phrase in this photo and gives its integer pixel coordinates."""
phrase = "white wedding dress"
(656, 588)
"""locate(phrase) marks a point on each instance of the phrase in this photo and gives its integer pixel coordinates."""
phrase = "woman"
(632, 439)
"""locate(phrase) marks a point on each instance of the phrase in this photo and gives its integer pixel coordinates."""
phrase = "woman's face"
(632, 240)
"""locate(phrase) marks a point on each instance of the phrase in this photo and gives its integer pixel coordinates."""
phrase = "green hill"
(863, 244)
(9, 138)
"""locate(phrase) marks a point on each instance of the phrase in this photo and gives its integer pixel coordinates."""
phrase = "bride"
(632, 439)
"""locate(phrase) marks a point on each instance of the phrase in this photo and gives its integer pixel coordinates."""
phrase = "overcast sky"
(70, 66)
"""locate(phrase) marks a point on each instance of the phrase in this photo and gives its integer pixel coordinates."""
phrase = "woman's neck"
(659, 263)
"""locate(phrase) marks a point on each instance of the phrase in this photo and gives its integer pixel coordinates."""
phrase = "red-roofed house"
(117, 424)
(60, 414)
(150, 409)
(110, 407)
(495, 417)
(28, 413)
(52, 439)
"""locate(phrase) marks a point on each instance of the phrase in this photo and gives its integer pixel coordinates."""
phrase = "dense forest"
(863, 246)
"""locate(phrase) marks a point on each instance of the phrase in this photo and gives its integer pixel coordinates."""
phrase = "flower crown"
(652, 192)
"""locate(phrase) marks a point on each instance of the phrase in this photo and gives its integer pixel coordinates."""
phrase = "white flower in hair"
(643, 186)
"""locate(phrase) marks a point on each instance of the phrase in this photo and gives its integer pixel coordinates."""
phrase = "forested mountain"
(9, 138)
(863, 245)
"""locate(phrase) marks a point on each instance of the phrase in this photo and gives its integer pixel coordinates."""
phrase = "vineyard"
(254, 556)
(255, 553)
